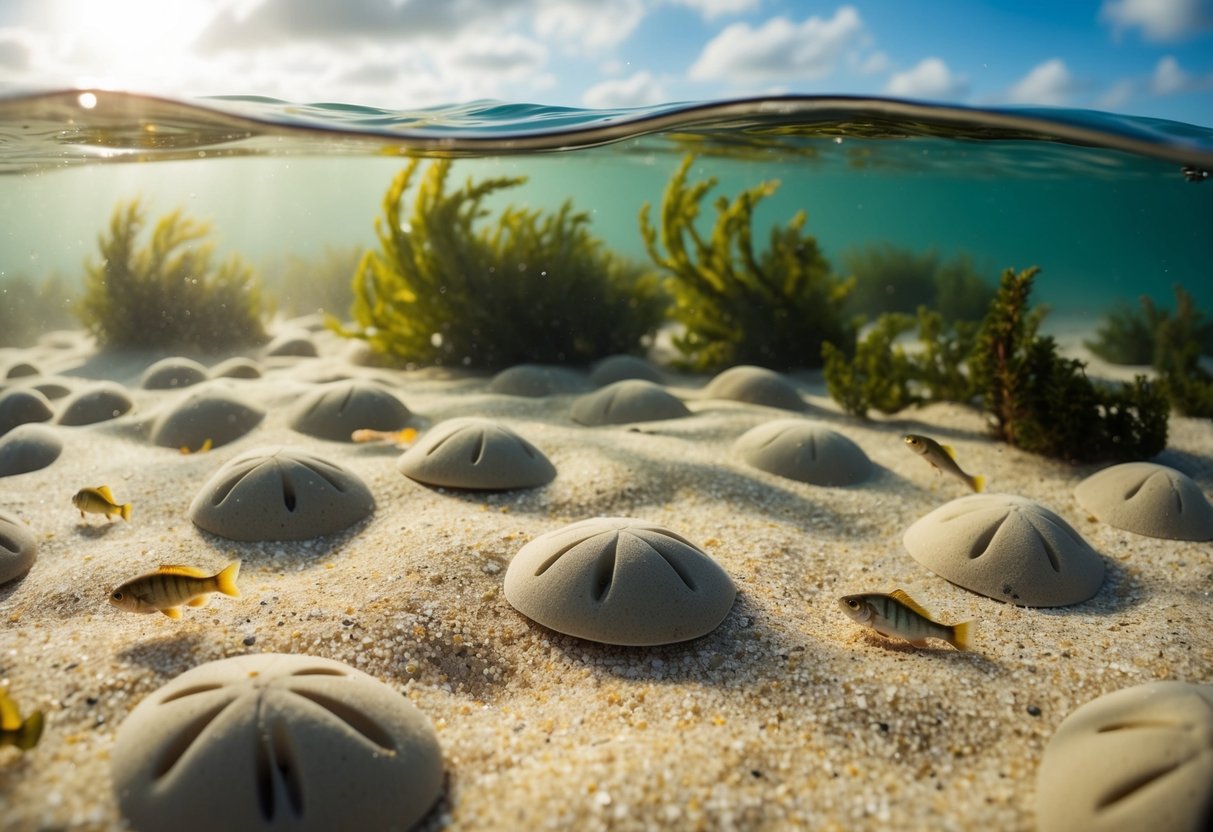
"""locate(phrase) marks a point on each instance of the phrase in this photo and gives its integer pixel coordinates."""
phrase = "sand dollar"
(21, 406)
(18, 547)
(99, 402)
(1138, 758)
(296, 343)
(537, 380)
(619, 581)
(28, 448)
(475, 453)
(615, 368)
(171, 373)
(804, 451)
(1009, 548)
(1148, 499)
(755, 385)
(632, 400)
(335, 410)
(237, 367)
(211, 414)
(275, 741)
(279, 493)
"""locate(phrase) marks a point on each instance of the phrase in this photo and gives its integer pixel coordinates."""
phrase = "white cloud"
(873, 64)
(779, 49)
(595, 25)
(1169, 78)
(712, 9)
(931, 78)
(1159, 20)
(636, 91)
(1049, 83)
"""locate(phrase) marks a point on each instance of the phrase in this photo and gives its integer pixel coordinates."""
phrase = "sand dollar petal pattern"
(214, 413)
(1137, 758)
(172, 373)
(804, 451)
(1009, 548)
(28, 448)
(755, 385)
(618, 580)
(475, 453)
(337, 409)
(1148, 499)
(280, 493)
(632, 400)
(275, 741)
(18, 547)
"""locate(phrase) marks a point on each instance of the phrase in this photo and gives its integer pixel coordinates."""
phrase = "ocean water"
(1110, 207)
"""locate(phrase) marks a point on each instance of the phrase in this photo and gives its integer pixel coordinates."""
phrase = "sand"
(789, 715)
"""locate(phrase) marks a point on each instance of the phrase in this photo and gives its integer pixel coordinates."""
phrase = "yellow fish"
(169, 587)
(897, 615)
(206, 446)
(23, 734)
(942, 458)
(100, 500)
(400, 437)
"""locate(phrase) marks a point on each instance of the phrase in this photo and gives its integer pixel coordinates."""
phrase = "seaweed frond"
(736, 306)
(448, 287)
(879, 375)
(168, 293)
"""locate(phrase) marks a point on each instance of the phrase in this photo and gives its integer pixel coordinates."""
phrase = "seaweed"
(446, 288)
(775, 309)
(316, 283)
(879, 374)
(168, 293)
(889, 278)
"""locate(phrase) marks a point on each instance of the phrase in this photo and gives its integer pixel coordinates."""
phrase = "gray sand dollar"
(280, 493)
(1148, 499)
(755, 385)
(615, 368)
(537, 380)
(619, 580)
(275, 741)
(297, 343)
(28, 448)
(99, 402)
(804, 451)
(212, 414)
(237, 367)
(632, 400)
(1009, 548)
(171, 373)
(21, 406)
(337, 409)
(475, 453)
(1138, 758)
(18, 547)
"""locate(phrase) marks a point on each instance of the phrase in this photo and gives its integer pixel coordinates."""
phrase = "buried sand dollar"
(632, 400)
(619, 581)
(1148, 499)
(99, 402)
(28, 448)
(18, 547)
(171, 373)
(476, 454)
(1138, 758)
(336, 409)
(537, 380)
(275, 741)
(213, 414)
(804, 451)
(280, 493)
(755, 385)
(1009, 548)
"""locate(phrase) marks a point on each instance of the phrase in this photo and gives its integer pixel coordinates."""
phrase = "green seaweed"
(447, 287)
(879, 375)
(890, 278)
(735, 306)
(168, 293)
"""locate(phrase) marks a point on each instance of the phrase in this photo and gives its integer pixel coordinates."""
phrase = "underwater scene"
(791, 462)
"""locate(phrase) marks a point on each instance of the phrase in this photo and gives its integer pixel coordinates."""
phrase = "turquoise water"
(1111, 207)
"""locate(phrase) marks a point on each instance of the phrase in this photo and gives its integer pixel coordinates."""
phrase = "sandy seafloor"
(788, 715)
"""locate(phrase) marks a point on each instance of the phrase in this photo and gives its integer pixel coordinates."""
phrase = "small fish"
(206, 446)
(14, 731)
(100, 500)
(406, 436)
(942, 459)
(898, 616)
(169, 587)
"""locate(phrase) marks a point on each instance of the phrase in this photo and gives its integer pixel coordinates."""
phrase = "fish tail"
(226, 580)
(977, 483)
(31, 731)
(962, 635)
(125, 511)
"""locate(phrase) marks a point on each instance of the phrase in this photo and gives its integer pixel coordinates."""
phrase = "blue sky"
(1144, 57)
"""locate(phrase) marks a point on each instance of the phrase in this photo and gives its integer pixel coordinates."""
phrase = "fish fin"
(227, 579)
(10, 717)
(125, 511)
(901, 596)
(962, 635)
(172, 612)
(31, 731)
(104, 491)
(207, 444)
(198, 601)
(947, 449)
(177, 569)
(978, 483)
(918, 642)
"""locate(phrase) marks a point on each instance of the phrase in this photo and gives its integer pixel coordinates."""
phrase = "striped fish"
(170, 587)
(899, 616)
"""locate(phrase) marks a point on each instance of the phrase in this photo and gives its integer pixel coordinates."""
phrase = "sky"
(1142, 57)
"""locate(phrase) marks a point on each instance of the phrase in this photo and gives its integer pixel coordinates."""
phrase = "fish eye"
(852, 603)
(117, 596)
